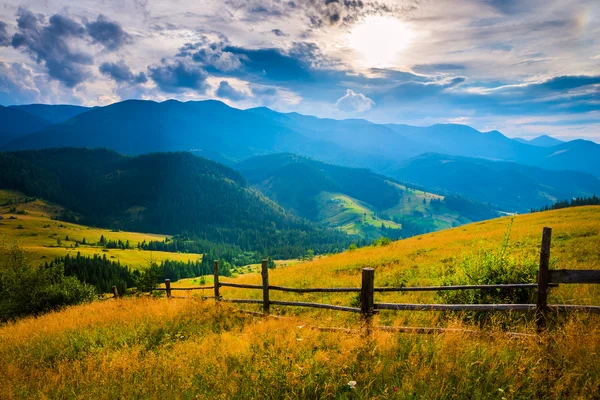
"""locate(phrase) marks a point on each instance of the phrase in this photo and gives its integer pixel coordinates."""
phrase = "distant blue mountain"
(542, 141)
(229, 135)
(15, 123)
(54, 114)
(510, 186)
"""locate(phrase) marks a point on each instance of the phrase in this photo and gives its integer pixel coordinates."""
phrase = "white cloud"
(354, 102)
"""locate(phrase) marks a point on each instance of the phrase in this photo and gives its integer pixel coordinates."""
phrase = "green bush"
(382, 241)
(490, 267)
(27, 290)
(147, 280)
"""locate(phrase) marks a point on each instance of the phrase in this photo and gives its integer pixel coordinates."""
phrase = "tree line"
(575, 202)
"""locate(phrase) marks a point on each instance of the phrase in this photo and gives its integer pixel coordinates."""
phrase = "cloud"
(226, 91)
(47, 44)
(437, 68)
(17, 84)
(333, 12)
(108, 33)
(317, 13)
(278, 32)
(178, 76)
(211, 55)
(354, 102)
(277, 65)
(121, 73)
(4, 36)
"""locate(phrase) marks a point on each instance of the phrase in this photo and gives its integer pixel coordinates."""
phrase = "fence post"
(216, 280)
(168, 287)
(367, 292)
(115, 291)
(542, 288)
(265, 284)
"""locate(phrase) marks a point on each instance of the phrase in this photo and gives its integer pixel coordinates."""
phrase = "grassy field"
(180, 349)
(45, 239)
(358, 218)
(348, 214)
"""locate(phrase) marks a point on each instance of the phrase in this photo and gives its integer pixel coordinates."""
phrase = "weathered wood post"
(265, 284)
(542, 288)
(168, 287)
(367, 293)
(216, 279)
(115, 291)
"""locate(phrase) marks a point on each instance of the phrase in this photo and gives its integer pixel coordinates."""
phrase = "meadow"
(356, 217)
(152, 347)
(45, 238)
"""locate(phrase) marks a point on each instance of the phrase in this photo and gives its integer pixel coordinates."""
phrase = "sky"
(524, 68)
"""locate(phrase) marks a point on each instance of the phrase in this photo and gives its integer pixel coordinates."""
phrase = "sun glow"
(380, 40)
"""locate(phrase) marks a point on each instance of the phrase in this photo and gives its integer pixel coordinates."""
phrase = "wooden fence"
(545, 280)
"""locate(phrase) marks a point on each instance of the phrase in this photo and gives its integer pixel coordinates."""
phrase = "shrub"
(490, 267)
(382, 241)
(27, 290)
(147, 281)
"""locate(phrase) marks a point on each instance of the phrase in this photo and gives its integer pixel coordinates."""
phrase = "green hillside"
(166, 193)
(31, 224)
(356, 201)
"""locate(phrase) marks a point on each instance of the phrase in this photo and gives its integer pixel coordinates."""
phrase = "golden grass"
(39, 235)
(422, 260)
(180, 349)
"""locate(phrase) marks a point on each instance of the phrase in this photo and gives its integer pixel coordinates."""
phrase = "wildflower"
(181, 337)
(396, 389)
(351, 384)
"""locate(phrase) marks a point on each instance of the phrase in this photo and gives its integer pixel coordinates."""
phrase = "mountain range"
(230, 136)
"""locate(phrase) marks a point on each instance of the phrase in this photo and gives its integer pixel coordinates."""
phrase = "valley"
(31, 224)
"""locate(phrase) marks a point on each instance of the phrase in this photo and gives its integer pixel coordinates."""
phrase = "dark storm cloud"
(108, 33)
(121, 73)
(226, 91)
(47, 44)
(4, 36)
(177, 76)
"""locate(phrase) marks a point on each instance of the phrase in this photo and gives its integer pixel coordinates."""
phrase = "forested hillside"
(512, 175)
(172, 193)
(355, 200)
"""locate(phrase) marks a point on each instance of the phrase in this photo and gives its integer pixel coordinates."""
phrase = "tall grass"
(186, 349)
(154, 348)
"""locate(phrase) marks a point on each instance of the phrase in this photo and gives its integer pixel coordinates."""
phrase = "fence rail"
(546, 279)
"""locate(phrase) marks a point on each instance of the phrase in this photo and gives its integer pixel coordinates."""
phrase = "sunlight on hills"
(156, 348)
(45, 238)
